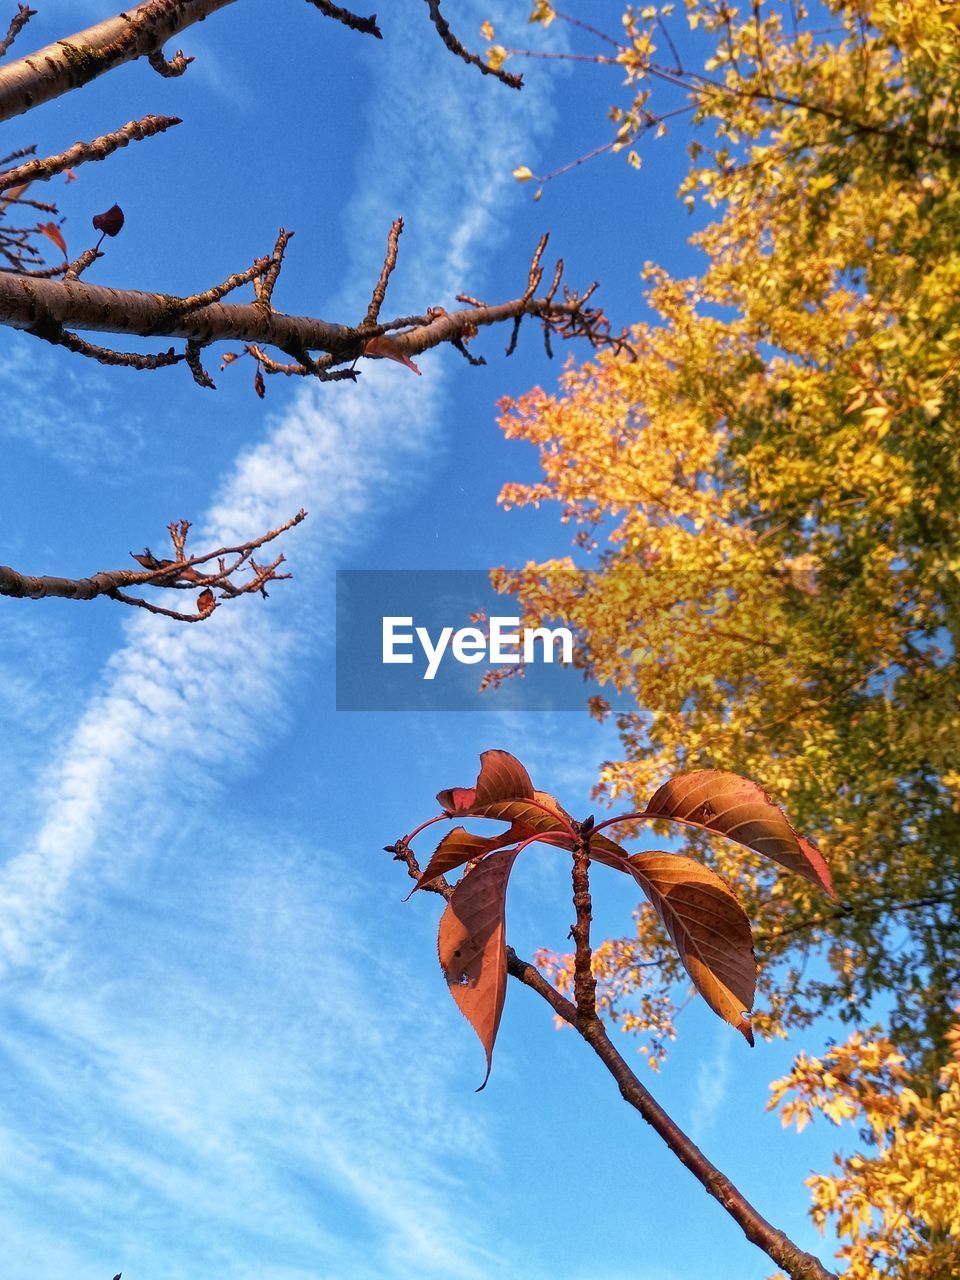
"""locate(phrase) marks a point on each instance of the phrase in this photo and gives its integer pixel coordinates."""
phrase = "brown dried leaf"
(53, 232)
(459, 846)
(148, 560)
(709, 928)
(502, 777)
(736, 808)
(12, 193)
(386, 349)
(505, 793)
(472, 946)
(205, 602)
(258, 384)
(111, 222)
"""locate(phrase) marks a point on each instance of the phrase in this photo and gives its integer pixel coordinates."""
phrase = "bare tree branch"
(41, 169)
(107, 355)
(69, 64)
(268, 280)
(142, 31)
(352, 20)
(45, 307)
(389, 262)
(181, 573)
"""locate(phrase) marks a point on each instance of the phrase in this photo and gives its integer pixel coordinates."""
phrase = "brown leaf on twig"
(459, 846)
(386, 349)
(709, 928)
(736, 808)
(205, 602)
(502, 777)
(472, 946)
(111, 222)
(505, 793)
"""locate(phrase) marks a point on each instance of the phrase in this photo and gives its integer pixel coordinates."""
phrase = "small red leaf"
(387, 349)
(53, 232)
(111, 222)
(205, 602)
(258, 383)
(472, 946)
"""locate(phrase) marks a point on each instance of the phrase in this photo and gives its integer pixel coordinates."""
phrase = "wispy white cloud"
(259, 1096)
(212, 1083)
(713, 1084)
(203, 695)
(68, 411)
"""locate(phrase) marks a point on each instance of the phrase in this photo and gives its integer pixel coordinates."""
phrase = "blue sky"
(225, 1045)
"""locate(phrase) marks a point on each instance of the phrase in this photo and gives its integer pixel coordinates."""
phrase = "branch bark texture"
(43, 307)
(69, 64)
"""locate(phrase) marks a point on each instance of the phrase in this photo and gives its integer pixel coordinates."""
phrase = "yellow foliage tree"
(766, 496)
(902, 1200)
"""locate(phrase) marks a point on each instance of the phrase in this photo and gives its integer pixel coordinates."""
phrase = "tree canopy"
(765, 492)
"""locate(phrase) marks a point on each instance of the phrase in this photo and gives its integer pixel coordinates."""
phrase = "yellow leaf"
(496, 57)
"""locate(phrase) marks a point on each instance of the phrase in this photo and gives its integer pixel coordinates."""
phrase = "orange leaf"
(502, 777)
(52, 232)
(205, 602)
(387, 349)
(472, 946)
(459, 846)
(709, 928)
(505, 793)
(736, 808)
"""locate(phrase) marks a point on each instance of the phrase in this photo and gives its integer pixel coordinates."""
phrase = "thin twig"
(389, 262)
(368, 26)
(584, 983)
(181, 574)
(169, 68)
(275, 262)
(40, 170)
(454, 45)
(107, 355)
(17, 23)
(200, 375)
